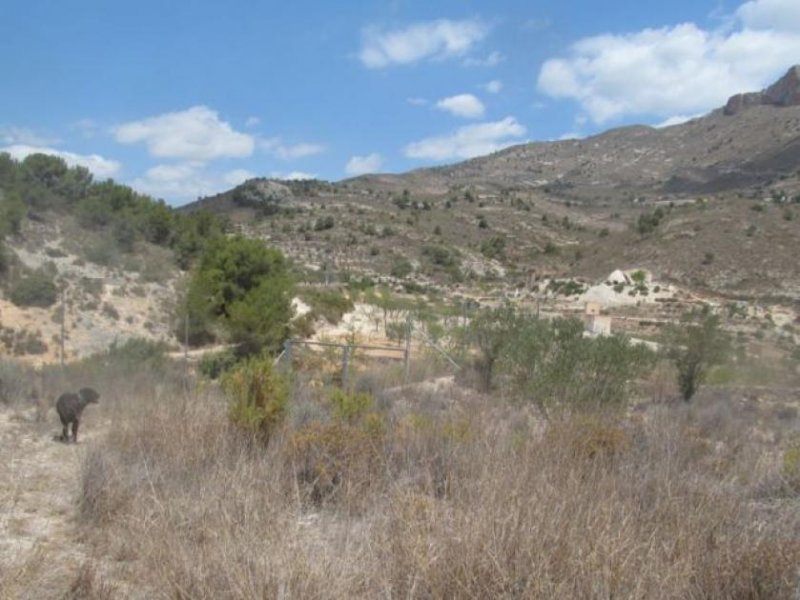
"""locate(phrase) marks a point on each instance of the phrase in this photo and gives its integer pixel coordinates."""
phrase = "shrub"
(695, 346)
(328, 304)
(351, 407)
(648, 222)
(551, 249)
(34, 289)
(259, 398)
(214, 364)
(137, 354)
(401, 268)
(324, 223)
(552, 364)
(494, 247)
(441, 256)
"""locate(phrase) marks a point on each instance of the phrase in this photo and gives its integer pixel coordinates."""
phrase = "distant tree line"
(42, 183)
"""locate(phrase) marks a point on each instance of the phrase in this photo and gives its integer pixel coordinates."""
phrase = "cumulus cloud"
(26, 137)
(676, 120)
(493, 87)
(277, 148)
(438, 39)
(677, 70)
(102, 168)
(359, 165)
(293, 176)
(468, 141)
(237, 176)
(182, 182)
(490, 60)
(178, 182)
(780, 15)
(462, 105)
(196, 134)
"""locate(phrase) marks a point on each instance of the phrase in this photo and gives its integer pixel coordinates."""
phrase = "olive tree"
(695, 345)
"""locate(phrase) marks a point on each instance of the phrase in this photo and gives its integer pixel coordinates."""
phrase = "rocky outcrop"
(784, 92)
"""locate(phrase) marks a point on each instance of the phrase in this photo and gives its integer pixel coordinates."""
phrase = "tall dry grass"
(440, 493)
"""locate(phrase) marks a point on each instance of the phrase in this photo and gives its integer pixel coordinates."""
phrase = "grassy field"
(435, 491)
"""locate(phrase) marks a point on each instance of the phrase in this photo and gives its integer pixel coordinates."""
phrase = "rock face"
(784, 92)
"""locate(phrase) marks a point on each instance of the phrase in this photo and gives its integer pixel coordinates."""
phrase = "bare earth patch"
(40, 552)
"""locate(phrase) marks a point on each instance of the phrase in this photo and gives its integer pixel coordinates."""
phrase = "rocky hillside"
(753, 140)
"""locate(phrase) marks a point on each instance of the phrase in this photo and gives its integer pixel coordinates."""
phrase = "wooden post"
(63, 322)
(186, 349)
(287, 355)
(345, 365)
(407, 354)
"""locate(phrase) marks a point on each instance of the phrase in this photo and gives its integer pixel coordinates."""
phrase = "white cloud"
(493, 87)
(490, 60)
(537, 24)
(26, 137)
(299, 151)
(102, 168)
(252, 121)
(277, 148)
(187, 181)
(462, 105)
(359, 165)
(676, 120)
(572, 135)
(677, 70)
(414, 101)
(428, 40)
(781, 15)
(468, 141)
(194, 134)
(293, 176)
(180, 182)
(88, 128)
(237, 176)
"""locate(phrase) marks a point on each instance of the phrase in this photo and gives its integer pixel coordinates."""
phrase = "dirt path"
(40, 555)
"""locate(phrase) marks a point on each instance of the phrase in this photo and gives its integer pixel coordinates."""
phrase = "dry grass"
(439, 495)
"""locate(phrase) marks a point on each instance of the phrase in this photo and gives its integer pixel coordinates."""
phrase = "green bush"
(401, 268)
(214, 364)
(259, 397)
(331, 305)
(34, 289)
(137, 354)
(351, 407)
(242, 288)
(494, 247)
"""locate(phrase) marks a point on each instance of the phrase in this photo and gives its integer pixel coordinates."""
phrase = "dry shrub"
(335, 460)
(471, 499)
(89, 585)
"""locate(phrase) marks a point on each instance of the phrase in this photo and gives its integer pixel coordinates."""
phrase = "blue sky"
(180, 99)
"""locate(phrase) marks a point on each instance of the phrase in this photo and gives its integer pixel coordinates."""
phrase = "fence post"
(407, 354)
(287, 355)
(345, 365)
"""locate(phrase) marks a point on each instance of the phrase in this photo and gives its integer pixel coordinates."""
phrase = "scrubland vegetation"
(280, 484)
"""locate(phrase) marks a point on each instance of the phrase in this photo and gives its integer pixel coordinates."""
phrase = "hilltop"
(753, 140)
(709, 204)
